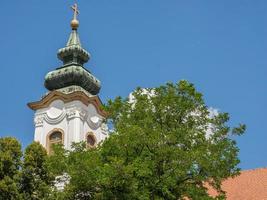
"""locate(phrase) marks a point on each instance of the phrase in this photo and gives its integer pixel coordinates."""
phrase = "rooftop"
(249, 185)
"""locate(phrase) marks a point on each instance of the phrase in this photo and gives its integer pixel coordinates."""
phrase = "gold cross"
(76, 11)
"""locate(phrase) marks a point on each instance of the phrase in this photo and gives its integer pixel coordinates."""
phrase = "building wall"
(75, 119)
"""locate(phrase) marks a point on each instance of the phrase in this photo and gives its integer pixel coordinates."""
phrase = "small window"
(54, 138)
(91, 141)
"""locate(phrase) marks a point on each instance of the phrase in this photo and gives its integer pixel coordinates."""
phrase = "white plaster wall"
(74, 118)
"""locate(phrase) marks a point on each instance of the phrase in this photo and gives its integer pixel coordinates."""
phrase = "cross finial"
(75, 10)
(75, 23)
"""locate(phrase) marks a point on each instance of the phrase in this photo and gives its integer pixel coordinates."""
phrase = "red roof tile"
(249, 185)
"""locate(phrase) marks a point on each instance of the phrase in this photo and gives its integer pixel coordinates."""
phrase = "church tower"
(71, 110)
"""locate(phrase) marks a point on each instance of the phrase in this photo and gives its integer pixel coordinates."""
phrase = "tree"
(161, 147)
(84, 168)
(165, 144)
(10, 155)
(36, 180)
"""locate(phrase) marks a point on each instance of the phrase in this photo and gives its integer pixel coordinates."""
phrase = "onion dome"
(72, 72)
(73, 52)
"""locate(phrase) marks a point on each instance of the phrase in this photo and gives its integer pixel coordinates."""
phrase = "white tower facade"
(71, 111)
(69, 117)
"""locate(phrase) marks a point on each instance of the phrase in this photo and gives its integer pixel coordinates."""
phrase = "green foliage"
(36, 180)
(165, 145)
(83, 166)
(162, 144)
(9, 189)
(10, 155)
(27, 178)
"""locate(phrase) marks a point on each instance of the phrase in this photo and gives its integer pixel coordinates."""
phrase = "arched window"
(55, 137)
(90, 140)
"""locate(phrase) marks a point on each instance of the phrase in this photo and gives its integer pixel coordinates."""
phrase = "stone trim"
(39, 120)
(78, 95)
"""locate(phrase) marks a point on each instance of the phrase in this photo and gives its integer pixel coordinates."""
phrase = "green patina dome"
(72, 75)
(73, 52)
(72, 72)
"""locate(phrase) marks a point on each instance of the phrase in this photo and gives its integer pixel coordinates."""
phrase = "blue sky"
(220, 46)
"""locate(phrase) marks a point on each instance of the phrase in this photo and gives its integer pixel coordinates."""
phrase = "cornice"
(66, 98)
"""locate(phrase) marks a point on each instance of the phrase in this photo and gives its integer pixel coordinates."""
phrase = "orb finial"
(74, 22)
